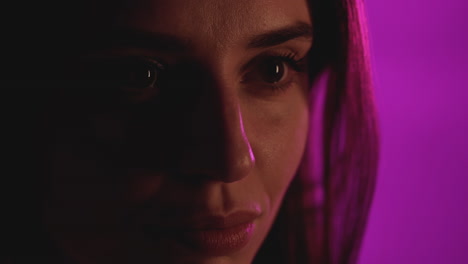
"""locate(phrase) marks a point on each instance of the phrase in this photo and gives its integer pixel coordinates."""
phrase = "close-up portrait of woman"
(194, 131)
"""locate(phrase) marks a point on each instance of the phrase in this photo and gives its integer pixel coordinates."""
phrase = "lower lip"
(219, 241)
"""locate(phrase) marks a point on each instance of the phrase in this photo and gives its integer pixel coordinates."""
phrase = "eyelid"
(291, 58)
(269, 54)
(122, 55)
(156, 61)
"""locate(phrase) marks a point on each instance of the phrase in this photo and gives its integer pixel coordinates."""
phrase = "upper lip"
(207, 221)
(222, 222)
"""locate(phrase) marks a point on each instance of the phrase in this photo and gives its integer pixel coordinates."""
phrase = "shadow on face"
(178, 130)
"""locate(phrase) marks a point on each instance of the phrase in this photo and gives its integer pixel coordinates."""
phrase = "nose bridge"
(221, 148)
(238, 151)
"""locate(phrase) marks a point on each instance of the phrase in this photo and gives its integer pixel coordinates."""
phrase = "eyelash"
(298, 65)
(289, 62)
(290, 58)
(292, 65)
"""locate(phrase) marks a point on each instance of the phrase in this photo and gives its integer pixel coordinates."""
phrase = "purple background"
(420, 61)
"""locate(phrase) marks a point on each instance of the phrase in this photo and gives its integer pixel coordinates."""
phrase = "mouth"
(218, 241)
(212, 235)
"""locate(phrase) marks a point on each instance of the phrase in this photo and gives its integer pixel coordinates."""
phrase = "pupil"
(138, 75)
(273, 71)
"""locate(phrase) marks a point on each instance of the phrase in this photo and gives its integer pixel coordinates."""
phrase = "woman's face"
(186, 157)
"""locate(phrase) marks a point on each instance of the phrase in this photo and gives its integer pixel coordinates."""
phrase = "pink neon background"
(420, 60)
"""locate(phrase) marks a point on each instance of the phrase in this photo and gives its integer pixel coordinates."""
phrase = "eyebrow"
(279, 36)
(162, 42)
(131, 38)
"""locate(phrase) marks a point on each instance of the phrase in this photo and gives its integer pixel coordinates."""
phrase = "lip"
(220, 241)
(213, 235)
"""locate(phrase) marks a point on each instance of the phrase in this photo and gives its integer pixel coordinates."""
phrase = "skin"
(222, 140)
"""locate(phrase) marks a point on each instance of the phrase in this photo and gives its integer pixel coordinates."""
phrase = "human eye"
(274, 71)
(129, 79)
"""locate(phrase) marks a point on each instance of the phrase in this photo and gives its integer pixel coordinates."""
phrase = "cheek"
(81, 189)
(85, 184)
(278, 134)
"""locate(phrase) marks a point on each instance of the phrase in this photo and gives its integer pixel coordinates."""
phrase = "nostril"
(192, 178)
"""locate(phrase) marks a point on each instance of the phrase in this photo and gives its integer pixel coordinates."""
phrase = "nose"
(217, 146)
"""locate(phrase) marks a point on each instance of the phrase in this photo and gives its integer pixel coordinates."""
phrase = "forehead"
(212, 22)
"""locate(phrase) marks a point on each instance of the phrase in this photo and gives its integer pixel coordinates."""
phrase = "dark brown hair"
(324, 213)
